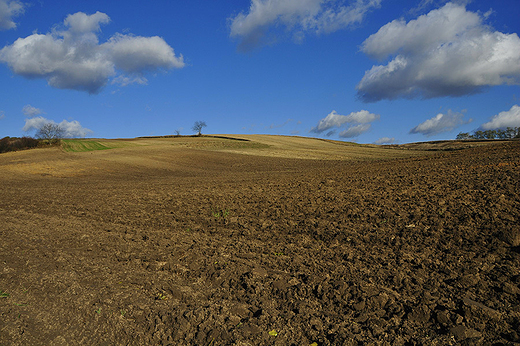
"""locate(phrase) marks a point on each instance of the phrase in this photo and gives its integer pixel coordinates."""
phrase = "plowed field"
(271, 241)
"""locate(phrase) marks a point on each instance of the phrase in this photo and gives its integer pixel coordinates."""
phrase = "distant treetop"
(508, 133)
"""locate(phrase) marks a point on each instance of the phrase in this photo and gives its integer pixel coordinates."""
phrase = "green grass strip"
(81, 145)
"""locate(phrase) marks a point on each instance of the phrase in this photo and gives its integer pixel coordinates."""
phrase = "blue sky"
(369, 71)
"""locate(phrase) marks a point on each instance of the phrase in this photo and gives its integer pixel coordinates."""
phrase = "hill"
(259, 240)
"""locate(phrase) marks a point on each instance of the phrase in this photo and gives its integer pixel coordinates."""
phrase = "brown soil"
(183, 246)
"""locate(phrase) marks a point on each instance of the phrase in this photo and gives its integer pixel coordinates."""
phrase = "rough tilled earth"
(196, 247)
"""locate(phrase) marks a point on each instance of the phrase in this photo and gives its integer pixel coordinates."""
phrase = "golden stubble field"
(259, 240)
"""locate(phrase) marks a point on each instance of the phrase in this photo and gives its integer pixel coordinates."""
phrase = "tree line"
(14, 143)
(508, 133)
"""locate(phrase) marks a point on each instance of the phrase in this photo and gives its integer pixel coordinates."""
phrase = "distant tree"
(501, 134)
(479, 135)
(50, 132)
(509, 133)
(513, 132)
(490, 134)
(463, 135)
(197, 127)
(177, 132)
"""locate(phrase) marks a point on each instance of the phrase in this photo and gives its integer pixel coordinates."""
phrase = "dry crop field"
(259, 240)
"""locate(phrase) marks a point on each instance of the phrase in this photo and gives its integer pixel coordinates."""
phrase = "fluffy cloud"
(362, 119)
(71, 129)
(440, 123)
(8, 10)
(447, 52)
(298, 16)
(502, 120)
(134, 54)
(336, 120)
(385, 140)
(74, 59)
(355, 131)
(31, 111)
(82, 23)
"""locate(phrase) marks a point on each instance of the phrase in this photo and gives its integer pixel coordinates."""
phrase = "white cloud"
(448, 52)
(333, 119)
(2, 115)
(35, 123)
(74, 129)
(74, 59)
(297, 16)
(330, 133)
(126, 80)
(136, 54)
(440, 123)
(502, 120)
(386, 140)
(71, 129)
(355, 131)
(277, 126)
(82, 23)
(8, 10)
(31, 111)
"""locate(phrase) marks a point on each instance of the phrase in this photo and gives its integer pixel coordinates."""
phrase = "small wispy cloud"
(440, 123)
(355, 131)
(2, 115)
(31, 111)
(126, 80)
(10, 9)
(386, 140)
(277, 126)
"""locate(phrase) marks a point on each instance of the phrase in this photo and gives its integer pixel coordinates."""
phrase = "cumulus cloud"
(297, 16)
(355, 130)
(8, 10)
(447, 52)
(31, 111)
(502, 120)
(135, 54)
(386, 140)
(333, 119)
(71, 129)
(361, 121)
(82, 23)
(440, 123)
(74, 59)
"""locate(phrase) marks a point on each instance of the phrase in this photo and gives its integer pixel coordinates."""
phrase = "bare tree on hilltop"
(197, 127)
(50, 132)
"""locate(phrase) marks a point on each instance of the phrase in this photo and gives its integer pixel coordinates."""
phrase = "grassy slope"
(81, 145)
(185, 153)
(262, 145)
